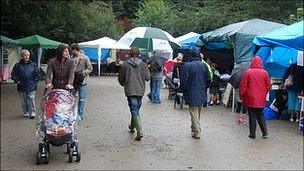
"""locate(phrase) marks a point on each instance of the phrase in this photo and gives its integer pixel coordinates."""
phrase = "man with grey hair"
(25, 73)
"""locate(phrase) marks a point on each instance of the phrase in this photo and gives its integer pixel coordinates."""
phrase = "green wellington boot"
(131, 125)
(137, 125)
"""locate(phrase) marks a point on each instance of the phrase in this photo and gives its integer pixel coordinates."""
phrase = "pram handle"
(46, 90)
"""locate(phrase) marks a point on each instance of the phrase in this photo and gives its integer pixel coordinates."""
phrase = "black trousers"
(256, 114)
(239, 107)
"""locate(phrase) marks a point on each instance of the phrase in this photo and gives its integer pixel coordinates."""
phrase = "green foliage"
(293, 18)
(65, 21)
(77, 21)
(153, 13)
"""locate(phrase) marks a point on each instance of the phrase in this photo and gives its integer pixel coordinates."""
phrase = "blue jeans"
(134, 104)
(28, 103)
(83, 91)
(156, 83)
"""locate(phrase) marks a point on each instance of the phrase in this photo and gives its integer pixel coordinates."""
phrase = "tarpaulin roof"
(8, 41)
(240, 35)
(37, 41)
(188, 39)
(104, 43)
(291, 36)
(280, 47)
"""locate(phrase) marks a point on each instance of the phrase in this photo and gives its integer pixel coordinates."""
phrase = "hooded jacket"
(254, 85)
(195, 79)
(26, 75)
(132, 76)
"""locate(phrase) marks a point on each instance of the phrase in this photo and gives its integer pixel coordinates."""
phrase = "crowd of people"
(189, 74)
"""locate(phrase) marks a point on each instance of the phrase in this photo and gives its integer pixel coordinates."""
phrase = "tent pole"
(233, 99)
(99, 55)
(39, 57)
(1, 65)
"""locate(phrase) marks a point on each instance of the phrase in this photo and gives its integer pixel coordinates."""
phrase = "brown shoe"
(196, 136)
(139, 136)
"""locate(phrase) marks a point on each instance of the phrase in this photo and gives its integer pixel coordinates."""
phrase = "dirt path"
(106, 144)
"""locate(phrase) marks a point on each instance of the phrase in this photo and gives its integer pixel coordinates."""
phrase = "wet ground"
(106, 144)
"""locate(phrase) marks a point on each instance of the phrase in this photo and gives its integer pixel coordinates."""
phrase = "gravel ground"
(106, 144)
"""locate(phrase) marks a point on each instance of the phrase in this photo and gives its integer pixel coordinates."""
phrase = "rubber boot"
(131, 125)
(137, 125)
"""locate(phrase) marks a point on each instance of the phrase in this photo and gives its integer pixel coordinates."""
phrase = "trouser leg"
(23, 99)
(195, 123)
(30, 102)
(252, 121)
(261, 121)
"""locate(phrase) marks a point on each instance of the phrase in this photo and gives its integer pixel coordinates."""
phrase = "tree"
(65, 21)
(155, 13)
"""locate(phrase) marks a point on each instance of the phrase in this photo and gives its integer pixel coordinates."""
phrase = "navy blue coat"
(26, 75)
(195, 80)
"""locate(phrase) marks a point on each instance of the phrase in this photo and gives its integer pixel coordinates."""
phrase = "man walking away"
(195, 79)
(25, 73)
(132, 76)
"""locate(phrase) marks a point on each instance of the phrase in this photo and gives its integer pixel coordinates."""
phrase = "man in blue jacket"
(195, 79)
(25, 73)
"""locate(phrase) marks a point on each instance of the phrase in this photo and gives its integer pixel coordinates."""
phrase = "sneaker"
(297, 120)
(291, 120)
(26, 115)
(32, 117)
(251, 136)
(265, 135)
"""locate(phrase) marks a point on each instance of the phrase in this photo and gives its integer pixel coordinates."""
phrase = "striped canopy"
(150, 39)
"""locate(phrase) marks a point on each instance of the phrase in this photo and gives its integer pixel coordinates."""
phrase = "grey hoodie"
(132, 76)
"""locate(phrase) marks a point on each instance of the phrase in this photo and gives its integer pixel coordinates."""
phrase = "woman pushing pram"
(58, 119)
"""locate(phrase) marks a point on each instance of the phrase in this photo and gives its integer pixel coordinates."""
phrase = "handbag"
(289, 81)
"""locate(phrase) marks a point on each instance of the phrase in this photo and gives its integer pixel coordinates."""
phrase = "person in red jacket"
(254, 86)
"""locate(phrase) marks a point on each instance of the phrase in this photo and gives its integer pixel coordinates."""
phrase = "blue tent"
(188, 40)
(291, 36)
(239, 36)
(279, 48)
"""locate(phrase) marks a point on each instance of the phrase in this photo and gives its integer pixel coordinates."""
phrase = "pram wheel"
(73, 150)
(70, 155)
(78, 156)
(38, 161)
(43, 153)
(46, 157)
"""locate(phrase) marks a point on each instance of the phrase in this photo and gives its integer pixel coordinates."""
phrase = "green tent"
(8, 41)
(37, 41)
(40, 43)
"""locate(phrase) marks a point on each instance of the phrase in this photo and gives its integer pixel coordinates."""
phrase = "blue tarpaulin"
(279, 48)
(291, 36)
(92, 53)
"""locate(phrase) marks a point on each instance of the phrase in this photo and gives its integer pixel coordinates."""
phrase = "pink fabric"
(5, 73)
(168, 66)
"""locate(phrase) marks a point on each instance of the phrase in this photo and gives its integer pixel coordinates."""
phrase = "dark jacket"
(132, 76)
(195, 80)
(63, 73)
(26, 75)
(297, 72)
(254, 85)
